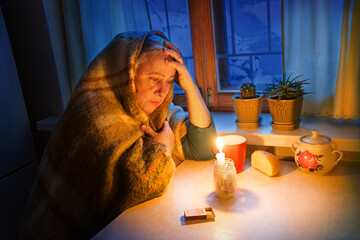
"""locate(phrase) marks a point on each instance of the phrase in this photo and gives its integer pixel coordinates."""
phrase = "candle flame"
(219, 143)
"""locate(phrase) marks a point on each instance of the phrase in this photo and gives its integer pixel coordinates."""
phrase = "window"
(247, 41)
(235, 41)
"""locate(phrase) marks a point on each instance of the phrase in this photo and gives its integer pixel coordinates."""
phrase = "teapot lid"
(315, 138)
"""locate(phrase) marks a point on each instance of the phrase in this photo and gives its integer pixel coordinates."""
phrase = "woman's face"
(153, 81)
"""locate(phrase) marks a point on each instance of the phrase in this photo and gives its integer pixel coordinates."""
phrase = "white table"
(292, 205)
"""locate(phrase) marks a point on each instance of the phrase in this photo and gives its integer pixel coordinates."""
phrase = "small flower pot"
(285, 112)
(247, 111)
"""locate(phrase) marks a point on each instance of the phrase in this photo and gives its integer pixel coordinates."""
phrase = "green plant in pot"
(247, 106)
(285, 98)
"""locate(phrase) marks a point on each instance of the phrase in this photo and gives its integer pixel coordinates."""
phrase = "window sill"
(345, 134)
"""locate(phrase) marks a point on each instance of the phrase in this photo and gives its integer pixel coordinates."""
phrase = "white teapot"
(316, 153)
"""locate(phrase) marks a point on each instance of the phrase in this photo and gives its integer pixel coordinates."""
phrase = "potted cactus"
(247, 106)
(285, 98)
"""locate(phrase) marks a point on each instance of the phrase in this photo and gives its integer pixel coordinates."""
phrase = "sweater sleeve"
(197, 143)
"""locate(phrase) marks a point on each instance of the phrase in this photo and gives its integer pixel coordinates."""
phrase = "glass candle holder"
(225, 179)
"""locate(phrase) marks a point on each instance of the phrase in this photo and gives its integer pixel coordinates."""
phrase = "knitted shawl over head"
(98, 161)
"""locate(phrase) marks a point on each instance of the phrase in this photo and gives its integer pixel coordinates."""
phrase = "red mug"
(234, 147)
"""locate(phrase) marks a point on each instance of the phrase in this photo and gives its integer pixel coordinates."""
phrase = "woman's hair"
(152, 48)
(152, 42)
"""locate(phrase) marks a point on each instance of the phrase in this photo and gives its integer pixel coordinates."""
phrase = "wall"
(19, 162)
(35, 61)
(30, 91)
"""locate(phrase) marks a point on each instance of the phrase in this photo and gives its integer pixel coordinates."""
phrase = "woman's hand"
(198, 113)
(185, 80)
(165, 136)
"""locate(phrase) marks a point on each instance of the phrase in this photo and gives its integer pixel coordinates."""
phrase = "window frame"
(203, 43)
(205, 66)
(201, 25)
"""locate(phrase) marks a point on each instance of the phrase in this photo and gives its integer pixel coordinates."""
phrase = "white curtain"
(312, 40)
(91, 24)
(347, 97)
(101, 20)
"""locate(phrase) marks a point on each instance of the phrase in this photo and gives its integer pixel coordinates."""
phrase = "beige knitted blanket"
(98, 162)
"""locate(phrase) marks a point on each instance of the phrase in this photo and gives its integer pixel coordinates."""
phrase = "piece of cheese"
(265, 162)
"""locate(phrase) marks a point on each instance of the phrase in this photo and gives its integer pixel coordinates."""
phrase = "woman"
(119, 139)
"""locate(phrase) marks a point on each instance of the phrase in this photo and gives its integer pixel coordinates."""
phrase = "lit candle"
(220, 156)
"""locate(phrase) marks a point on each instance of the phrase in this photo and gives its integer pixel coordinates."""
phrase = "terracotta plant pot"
(285, 112)
(247, 110)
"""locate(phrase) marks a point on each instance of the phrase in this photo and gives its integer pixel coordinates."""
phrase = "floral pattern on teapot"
(309, 161)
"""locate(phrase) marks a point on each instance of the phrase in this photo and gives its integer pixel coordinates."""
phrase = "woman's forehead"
(154, 56)
(155, 63)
